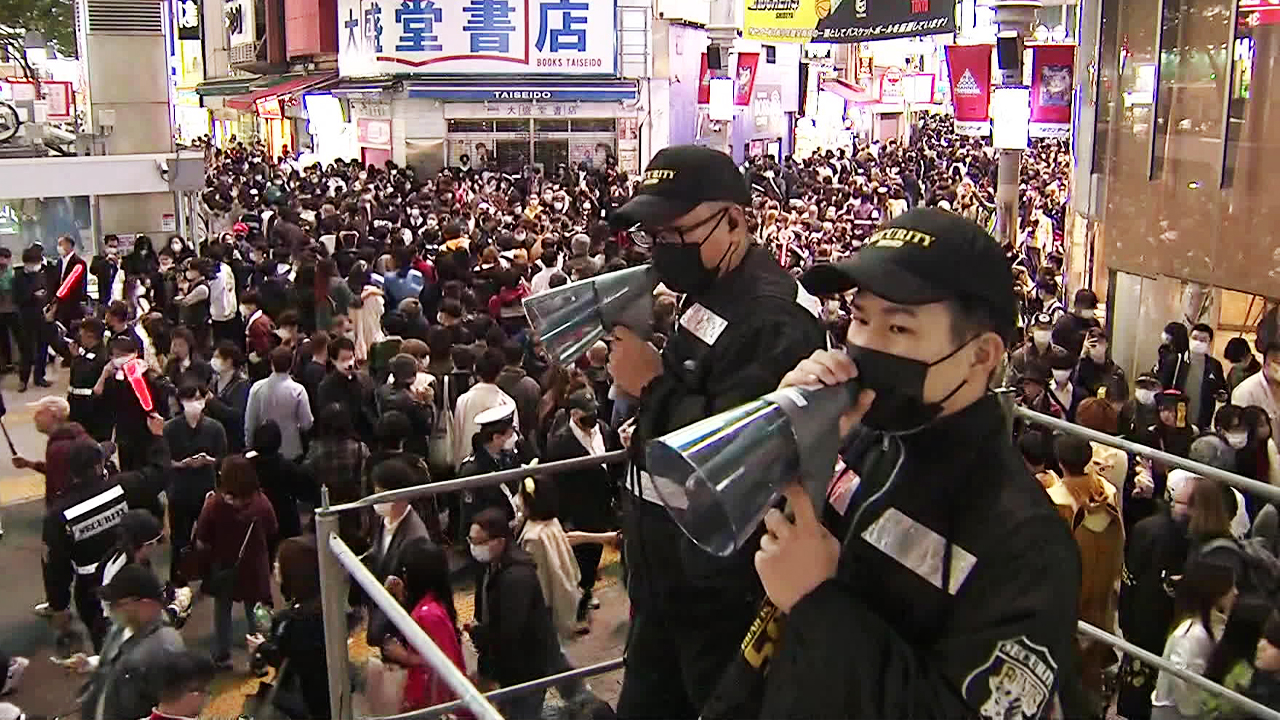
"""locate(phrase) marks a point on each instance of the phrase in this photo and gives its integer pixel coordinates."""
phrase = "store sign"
(240, 22)
(766, 110)
(851, 21)
(1052, 83)
(891, 85)
(373, 133)
(59, 96)
(365, 108)
(969, 68)
(744, 79)
(269, 108)
(866, 69)
(1259, 12)
(188, 19)
(493, 110)
(482, 91)
(562, 37)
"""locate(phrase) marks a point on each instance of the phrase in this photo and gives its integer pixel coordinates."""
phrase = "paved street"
(49, 691)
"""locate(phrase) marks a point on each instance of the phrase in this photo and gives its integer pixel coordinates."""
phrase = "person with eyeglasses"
(745, 323)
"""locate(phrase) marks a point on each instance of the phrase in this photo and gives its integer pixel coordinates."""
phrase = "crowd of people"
(350, 330)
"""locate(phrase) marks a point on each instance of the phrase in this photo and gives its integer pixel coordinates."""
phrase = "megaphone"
(719, 476)
(571, 318)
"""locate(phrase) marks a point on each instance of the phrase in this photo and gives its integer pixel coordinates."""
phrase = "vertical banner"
(744, 79)
(969, 68)
(1052, 83)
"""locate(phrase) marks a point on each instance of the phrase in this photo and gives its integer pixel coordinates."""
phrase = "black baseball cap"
(927, 255)
(133, 581)
(678, 179)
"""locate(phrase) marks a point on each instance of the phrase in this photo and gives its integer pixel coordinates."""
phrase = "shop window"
(1240, 89)
(1107, 79)
(771, 54)
(593, 125)
(470, 126)
(512, 155)
(551, 154)
(511, 126)
(541, 126)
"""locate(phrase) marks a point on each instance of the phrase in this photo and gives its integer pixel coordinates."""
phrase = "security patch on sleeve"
(1015, 684)
(704, 324)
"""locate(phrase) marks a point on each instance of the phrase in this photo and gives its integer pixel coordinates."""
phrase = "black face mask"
(679, 265)
(899, 406)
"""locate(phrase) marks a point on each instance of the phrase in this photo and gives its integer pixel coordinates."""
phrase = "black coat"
(227, 406)
(383, 564)
(297, 635)
(354, 393)
(514, 634)
(1173, 370)
(587, 496)
(105, 271)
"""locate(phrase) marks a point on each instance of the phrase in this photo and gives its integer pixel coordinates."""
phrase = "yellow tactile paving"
(230, 690)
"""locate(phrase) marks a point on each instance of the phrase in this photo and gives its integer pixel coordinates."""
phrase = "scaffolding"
(337, 561)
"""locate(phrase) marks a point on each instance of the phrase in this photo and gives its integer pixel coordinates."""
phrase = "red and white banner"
(1052, 85)
(969, 67)
(743, 82)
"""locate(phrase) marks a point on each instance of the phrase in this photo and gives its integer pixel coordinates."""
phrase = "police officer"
(744, 323)
(933, 582)
(86, 367)
(79, 532)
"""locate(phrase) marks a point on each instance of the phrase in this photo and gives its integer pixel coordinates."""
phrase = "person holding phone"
(197, 444)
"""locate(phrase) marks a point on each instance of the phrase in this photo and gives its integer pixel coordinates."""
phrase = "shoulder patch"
(1015, 683)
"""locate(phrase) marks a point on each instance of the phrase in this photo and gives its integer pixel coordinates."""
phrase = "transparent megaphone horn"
(571, 318)
(719, 476)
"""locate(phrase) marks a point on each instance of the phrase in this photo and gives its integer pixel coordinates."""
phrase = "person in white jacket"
(484, 395)
(1205, 595)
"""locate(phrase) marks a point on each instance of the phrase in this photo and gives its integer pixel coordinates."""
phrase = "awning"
(524, 89)
(851, 93)
(349, 87)
(225, 86)
(279, 87)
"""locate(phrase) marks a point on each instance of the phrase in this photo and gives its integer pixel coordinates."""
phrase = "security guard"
(934, 581)
(79, 531)
(744, 323)
(86, 368)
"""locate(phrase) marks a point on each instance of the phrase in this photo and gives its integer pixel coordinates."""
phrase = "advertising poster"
(510, 37)
(969, 72)
(1052, 84)
(846, 21)
(743, 82)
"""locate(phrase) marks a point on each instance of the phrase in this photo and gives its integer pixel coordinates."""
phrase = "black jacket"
(1173, 369)
(883, 639)
(354, 392)
(383, 564)
(104, 269)
(1069, 332)
(765, 332)
(227, 406)
(586, 496)
(297, 635)
(31, 290)
(79, 531)
(513, 634)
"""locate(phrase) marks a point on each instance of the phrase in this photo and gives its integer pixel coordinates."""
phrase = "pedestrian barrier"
(337, 560)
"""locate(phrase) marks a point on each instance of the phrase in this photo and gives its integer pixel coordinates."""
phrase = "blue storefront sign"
(469, 37)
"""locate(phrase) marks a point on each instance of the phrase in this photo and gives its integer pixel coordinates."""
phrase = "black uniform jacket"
(883, 639)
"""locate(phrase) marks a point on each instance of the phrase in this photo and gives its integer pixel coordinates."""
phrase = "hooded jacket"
(57, 473)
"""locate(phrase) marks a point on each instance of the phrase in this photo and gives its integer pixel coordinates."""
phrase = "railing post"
(333, 604)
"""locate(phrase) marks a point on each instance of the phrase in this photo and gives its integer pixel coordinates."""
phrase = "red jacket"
(220, 532)
(57, 473)
(259, 335)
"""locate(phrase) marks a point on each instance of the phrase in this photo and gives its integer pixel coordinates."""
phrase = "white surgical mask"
(1237, 440)
(509, 443)
(192, 408)
(219, 365)
(1061, 376)
(1041, 337)
(482, 553)
(1145, 397)
(32, 267)
(1199, 347)
(64, 251)
(1166, 338)
(383, 509)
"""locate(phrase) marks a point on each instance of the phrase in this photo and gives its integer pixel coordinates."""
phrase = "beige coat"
(558, 572)
(368, 320)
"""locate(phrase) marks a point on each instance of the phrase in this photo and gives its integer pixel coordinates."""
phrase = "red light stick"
(133, 372)
(65, 289)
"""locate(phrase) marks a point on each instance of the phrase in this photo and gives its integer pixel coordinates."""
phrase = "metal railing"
(337, 561)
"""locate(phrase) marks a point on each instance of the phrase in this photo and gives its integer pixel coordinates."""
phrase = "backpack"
(440, 456)
(1259, 573)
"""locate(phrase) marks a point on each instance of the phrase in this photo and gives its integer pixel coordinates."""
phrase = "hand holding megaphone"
(795, 556)
(831, 367)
